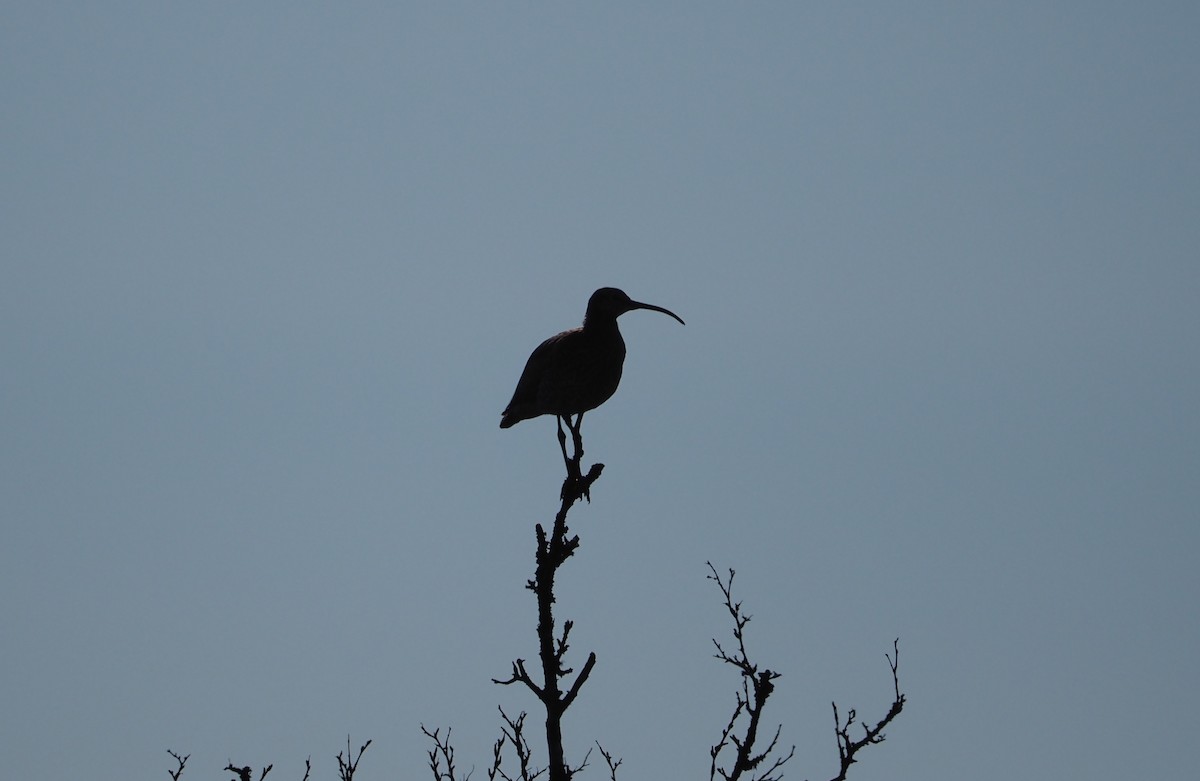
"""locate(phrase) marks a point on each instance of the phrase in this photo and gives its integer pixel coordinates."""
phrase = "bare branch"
(579, 681)
(847, 746)
(181, 760)
(441, 750)
(726, 736)
(608, 760)
(513, 732)
(347, 768)
(495, 770)
(245, 773)
(552, 551)
(519, 674)
(757, 687)
(572, 771)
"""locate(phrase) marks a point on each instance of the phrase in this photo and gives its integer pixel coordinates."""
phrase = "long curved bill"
(652, 307)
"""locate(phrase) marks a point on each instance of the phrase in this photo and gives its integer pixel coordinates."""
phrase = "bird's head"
(609, 303)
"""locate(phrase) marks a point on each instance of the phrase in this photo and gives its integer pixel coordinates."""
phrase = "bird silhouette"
(577, 370)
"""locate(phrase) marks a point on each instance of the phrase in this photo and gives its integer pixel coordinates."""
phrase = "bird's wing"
(540, 361)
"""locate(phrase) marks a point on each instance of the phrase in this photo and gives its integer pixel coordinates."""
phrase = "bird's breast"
(584, 372)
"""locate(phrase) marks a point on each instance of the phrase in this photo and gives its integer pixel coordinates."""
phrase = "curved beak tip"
(653, 308)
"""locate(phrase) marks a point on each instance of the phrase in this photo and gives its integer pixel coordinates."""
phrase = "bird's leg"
(572, 479)
(584, 483)
(577, 438)
(576, 485)
(562, 440)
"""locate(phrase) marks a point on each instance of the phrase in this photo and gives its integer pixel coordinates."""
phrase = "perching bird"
(577, 370)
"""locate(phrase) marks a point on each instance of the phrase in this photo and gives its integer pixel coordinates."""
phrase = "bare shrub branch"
(608, 760)
(757, 687)
(847, 746)
(347, 768)
(513, 733)
(442, 751)
(245, 773)
(551, 553)
(181, 761)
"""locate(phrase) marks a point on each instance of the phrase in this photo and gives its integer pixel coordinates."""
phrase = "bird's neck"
(598, 325)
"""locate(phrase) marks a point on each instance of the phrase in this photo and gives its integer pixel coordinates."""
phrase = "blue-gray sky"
(271, 272)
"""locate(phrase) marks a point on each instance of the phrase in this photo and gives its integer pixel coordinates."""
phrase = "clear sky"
(271, 271)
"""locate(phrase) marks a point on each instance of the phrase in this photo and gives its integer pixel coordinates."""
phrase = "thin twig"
(181, 760)
(757, 687)
(347, 768)
(608, 760)
(847, 746)
(442, 749)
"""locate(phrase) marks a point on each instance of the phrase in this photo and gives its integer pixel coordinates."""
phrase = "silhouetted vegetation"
(739, 752)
